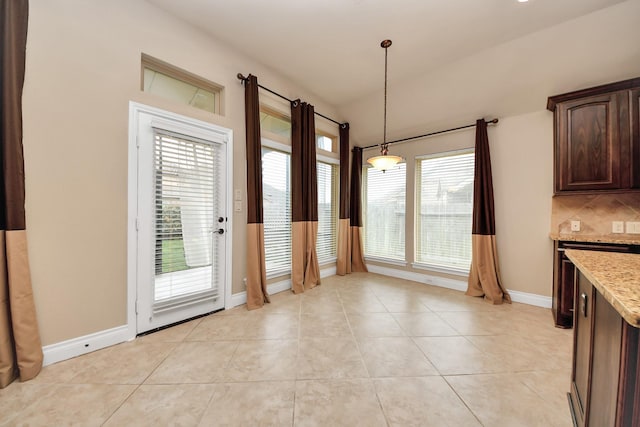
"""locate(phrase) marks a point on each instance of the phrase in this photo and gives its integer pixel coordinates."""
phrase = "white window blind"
(384, 212)
(276, 193)
(187, 198)
(327, 211)
(444, 208)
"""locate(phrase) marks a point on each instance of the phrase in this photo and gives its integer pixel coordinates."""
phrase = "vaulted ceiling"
(332, 47)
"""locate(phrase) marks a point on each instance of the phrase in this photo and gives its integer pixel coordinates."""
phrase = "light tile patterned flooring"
(363, 350)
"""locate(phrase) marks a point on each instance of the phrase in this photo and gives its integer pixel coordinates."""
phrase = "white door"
(181, 220)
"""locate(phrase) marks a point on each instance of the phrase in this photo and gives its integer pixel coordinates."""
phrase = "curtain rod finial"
(241, 77)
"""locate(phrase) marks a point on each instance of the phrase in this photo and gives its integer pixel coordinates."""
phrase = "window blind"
(187, 197)
(276, 193)
(444, 208)
(384, 212)
(327, 174)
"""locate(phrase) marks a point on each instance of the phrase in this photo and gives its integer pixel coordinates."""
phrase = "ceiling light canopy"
(384, 161)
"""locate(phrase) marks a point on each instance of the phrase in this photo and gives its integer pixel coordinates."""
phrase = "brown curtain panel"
(355, 211)
(256, 269)
(484, 276)
(305, 271)
(343, 263)
(20, 346)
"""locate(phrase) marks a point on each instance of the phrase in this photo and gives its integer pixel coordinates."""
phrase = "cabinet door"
(634, 116)
(583, 318)
(588, 145)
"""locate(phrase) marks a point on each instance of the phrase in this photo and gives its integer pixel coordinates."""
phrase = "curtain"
(343, 263)
(355, 210)
(305, 271)
(20, 346)
(484, 276)
(256, 269)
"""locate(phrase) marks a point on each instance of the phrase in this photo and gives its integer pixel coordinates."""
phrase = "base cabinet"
(605, 384)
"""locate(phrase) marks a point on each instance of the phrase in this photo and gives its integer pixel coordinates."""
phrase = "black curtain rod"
(243, 78)
(494, 121)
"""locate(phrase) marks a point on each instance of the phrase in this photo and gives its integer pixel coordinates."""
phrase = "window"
(276, 195)
(384, 213)
(173, 83)
(275, 125)
(444, 206)
(327, 211)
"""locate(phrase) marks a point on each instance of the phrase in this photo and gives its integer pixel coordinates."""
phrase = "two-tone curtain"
(484, 276)
(343, 262)
(256, 269)
(355, 213)
(20, 346)
(305, 271)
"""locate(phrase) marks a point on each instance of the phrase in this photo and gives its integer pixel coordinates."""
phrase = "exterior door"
(181, 221)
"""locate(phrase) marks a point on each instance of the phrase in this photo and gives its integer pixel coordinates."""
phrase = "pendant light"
(384, 161)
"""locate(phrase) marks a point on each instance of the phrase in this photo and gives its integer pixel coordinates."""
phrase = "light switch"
(575, 225)
(633, 227)
(237, 206)
(237, 194)
(617, 226)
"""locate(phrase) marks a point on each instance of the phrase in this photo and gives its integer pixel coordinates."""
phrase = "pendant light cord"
(384, 138)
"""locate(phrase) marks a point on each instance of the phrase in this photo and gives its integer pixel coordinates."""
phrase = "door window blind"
(384, 212)
(327, 174)
(187, 198)
(444, 208)
(276, 193)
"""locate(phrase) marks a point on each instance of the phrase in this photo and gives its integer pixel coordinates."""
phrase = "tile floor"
(360, 350)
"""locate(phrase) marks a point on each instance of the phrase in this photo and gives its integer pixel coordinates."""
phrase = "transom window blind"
(384, 212)
(444, 208)
(276, 193)
(187, 197)
(327, 174)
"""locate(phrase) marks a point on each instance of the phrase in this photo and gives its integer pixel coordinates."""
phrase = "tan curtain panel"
(343, 262)
(484, 276)
(256, 269)
(355, 212)
(20, 346)
(305, 271)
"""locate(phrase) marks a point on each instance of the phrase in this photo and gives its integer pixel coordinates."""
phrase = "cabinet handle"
(583, 304)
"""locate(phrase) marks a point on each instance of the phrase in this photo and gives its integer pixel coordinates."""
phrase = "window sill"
(386, 260)
(440, 269)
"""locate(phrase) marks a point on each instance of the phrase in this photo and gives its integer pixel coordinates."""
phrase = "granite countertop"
(594, 239)
(616, 276)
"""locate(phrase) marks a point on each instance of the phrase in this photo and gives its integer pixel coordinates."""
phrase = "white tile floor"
(362, 350)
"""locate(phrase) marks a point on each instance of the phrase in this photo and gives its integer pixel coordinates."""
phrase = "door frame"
(135, 109)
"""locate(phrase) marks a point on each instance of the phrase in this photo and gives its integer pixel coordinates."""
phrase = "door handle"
(220, 230)
(583, 304)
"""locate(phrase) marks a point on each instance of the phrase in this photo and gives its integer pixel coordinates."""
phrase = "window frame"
(335, 204)
(452, 270)
(365, 190)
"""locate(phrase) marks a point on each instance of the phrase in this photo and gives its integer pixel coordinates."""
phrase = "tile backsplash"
(595, 213)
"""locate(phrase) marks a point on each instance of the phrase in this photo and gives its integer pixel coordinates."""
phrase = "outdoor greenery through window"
(444, 208)
(384, 212)
(276, 194)
(327, 211)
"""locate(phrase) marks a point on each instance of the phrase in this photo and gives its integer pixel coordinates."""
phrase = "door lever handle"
(220, 230)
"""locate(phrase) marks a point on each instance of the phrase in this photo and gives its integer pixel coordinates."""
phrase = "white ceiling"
(332, 47)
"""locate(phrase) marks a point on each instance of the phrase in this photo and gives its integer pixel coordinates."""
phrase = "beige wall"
(83, 68)
(522, 165)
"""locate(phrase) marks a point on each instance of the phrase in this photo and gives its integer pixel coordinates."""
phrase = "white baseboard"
(458, 285)
(86, 344)
(283, 285)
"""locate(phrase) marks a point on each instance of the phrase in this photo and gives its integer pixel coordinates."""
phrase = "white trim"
(439, 269)
(458, 285)
(326, 159)
(386, 260)
(283, 285)
(274, 145)
(531, 299)
(86, 344)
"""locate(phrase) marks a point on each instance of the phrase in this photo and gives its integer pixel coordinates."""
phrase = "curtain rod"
(494, 121)
(244, 79)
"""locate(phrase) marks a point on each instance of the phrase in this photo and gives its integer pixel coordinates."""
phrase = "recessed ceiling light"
(522, 1)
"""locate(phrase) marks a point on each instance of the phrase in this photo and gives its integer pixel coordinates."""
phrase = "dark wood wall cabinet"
(605, 379)
(597, 138)
(564, 276)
